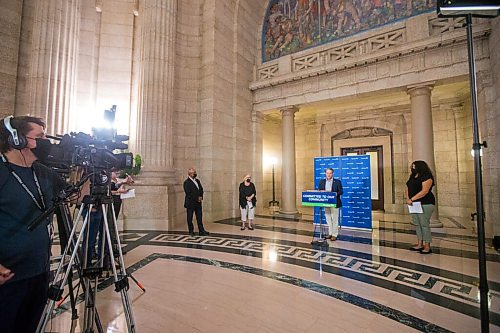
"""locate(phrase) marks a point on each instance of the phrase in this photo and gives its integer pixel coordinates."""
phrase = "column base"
(156, 206)
(156, 177)
(289, 215)
(436, 223)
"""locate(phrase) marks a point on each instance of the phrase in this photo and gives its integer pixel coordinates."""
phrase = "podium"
(319, 199)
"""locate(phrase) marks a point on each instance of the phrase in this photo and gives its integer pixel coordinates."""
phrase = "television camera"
(80, 149)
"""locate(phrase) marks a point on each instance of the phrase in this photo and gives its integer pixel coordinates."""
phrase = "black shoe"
(243, 228)
(191, 233)
(422, 251)
(204, 233)
(250, 227)
(416, 248)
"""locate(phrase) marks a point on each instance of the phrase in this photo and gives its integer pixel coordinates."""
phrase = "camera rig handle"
(61, 197)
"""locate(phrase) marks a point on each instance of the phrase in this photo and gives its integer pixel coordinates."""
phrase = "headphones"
(15, 141)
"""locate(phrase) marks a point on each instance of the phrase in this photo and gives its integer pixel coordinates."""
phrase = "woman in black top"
(419, 187)
(247, 202)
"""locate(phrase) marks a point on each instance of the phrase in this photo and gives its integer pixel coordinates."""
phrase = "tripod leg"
(313, 242)
(137, 282)
(56, 290)
(121, 284)
(321, 214)
(74, 312)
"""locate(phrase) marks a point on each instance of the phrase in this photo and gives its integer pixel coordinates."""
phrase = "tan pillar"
(52, 73)
(288, 174)
(156, 88)
(423, 134)
(157, 194)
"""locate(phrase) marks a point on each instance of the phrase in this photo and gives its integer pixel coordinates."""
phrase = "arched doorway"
(377, 143)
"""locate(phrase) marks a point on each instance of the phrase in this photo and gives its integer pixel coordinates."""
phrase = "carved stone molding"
(361, 132)
(289, 111)
(441, 25)
(420, 89)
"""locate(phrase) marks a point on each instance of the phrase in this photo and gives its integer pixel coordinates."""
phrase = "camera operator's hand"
(5, 274)
(122, 190)
(129, 180)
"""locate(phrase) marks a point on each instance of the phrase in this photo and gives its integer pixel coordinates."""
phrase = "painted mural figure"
(304, 16)
(346, 7)
(284, 37)
(274, 23)
(287, 8)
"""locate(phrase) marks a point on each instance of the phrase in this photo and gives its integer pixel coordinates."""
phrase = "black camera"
(80, 149)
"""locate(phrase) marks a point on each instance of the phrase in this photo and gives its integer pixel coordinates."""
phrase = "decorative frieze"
(268, 72)
(308, 61)
(385, 41)
(441, 25)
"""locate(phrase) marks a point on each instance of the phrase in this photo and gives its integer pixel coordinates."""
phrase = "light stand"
(273, 202)
(468, 9)
(273, 161)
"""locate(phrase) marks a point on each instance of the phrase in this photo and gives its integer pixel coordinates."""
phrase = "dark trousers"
(95, 227)
(22, 303)
(199, 215)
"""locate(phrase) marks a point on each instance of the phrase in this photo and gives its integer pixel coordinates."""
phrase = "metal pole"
(274, 198)
(476, 146)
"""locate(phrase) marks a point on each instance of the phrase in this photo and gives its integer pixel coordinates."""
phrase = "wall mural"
(294, 25)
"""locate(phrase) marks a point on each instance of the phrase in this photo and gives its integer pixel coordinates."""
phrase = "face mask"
(248, 180)
(195, 175)
(43, 149)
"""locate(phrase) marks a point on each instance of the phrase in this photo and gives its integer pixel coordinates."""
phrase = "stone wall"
(10, 33)
(493, 198)
(226, 131)
(105, 64)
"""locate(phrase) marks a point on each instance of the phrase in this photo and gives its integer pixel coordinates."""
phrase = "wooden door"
(376, 171)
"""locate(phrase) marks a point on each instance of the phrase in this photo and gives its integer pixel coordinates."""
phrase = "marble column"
(288, 174)
(156, 88)
(423, 134)
(52, 72)
(158, 194)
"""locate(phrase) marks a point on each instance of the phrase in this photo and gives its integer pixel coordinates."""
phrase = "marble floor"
(272, 280)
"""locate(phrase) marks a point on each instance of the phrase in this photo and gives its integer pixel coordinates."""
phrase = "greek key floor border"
(452, 294)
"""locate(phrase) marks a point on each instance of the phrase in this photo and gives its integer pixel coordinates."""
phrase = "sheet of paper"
(416, 208)
(129, 194)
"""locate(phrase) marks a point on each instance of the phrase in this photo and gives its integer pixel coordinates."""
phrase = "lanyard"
(40, 205)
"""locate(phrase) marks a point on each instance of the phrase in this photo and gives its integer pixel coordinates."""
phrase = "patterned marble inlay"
(444, 287)
(363, 303)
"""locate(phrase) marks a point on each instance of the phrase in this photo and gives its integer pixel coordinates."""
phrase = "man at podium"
(329, 184)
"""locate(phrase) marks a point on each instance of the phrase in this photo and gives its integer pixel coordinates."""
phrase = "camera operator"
(27, 189)
(117, 188)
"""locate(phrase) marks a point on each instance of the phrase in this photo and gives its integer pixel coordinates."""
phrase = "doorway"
(376, 171)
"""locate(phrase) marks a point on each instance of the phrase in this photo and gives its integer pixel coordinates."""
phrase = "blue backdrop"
(354, 173)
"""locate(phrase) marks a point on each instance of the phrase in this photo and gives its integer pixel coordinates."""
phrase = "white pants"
(332, 218)
(250, 210)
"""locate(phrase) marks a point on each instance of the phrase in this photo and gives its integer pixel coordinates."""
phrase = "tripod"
(89, 274)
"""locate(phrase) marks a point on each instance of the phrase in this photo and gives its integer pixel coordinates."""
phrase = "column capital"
(424, 88)
(289, 110)
(257, 117)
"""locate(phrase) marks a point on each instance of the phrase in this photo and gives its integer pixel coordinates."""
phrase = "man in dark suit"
(330, 184)
(192, 202)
